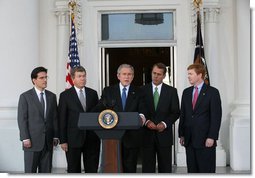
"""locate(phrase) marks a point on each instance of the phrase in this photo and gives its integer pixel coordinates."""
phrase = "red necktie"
(195, 97)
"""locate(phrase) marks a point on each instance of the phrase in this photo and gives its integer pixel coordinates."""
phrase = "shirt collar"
(121, 87)
(38, 92)
(78, 89)
(199, 86)
(158, 86)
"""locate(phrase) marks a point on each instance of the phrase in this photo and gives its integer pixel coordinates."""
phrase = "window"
(137, 26)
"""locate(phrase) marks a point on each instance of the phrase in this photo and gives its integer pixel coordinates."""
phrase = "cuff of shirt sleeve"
(164, 124)
(143, 118)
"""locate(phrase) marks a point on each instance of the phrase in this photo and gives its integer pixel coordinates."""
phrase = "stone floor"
(176, 170)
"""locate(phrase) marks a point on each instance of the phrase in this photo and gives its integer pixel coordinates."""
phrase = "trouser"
(201, 160)
(41, 160)
(129, 159)
(163, 154)
(90, 151)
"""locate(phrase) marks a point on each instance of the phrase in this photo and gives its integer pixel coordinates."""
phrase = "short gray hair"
(77, 69)
(125, 66)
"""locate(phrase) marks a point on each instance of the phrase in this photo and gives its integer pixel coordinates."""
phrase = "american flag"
(199, 56)
(73, 56)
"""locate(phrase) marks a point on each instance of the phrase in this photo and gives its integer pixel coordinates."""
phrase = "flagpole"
(72, 6)
(73, 55)
(197, 4)
(199, 56)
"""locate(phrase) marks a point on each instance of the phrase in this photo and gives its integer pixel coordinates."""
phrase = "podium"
(110, 159)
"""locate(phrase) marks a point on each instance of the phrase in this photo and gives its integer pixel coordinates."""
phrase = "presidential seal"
(108, 119)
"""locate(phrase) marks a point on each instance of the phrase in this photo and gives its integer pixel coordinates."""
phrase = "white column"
(48, 41)
(19, 55)
(240, 117)
(63, 30)
(212, 57)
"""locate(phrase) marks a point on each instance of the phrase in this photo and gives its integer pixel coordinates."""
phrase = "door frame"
(104, 61)
(102, 45)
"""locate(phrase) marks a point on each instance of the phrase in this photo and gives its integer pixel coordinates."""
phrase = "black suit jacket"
(111, 99)
(69, 109)
(168, 110)
(204, 121)
(31, 122)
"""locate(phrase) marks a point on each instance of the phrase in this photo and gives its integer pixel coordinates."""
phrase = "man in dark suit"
(114, 97)
(37, 121)
(74, 141)
(200, 122)
(163, 104)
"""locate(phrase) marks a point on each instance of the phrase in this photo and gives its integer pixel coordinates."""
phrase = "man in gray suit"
(37, 121)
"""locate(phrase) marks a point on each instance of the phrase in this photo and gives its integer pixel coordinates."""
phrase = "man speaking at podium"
(124, 97)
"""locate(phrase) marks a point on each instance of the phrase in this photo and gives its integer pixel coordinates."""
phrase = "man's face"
(157, 75)
(193, 77)
(41, 81)
(125, 76)
(79, 79)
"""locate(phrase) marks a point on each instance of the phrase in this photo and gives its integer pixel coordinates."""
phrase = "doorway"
(142, 59)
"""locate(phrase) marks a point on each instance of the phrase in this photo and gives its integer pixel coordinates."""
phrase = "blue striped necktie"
(123, 98)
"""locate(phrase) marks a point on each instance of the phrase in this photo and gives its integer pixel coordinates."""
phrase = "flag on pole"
(73, 56)
(199, 56)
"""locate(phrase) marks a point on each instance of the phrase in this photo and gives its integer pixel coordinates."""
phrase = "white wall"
(19, 34)
(48, 41)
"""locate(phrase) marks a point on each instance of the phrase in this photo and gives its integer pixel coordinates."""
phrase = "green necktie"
(156, 97)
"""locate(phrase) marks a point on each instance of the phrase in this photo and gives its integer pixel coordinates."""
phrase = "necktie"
(82, 100)
(123, 98)
(156, 97)
(195, 97)
(42, 103)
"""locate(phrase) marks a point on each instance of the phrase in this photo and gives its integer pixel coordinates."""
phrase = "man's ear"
(33, 81)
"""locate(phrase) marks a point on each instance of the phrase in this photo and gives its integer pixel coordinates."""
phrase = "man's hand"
(151, 125)
(64, 147)
(182, 141)
(160, 127)
(27, 143)
(209, 142)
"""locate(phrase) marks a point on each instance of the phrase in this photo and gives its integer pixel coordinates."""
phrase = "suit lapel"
(48, 103)
(189, 97)
(37, 102)
(151, 100)
(201, 96)
(118, 97)
(131, 96)
(88, 98)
